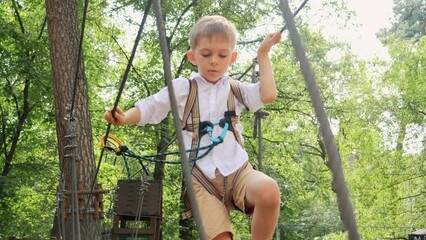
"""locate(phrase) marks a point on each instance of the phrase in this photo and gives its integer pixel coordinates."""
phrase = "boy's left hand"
(270, 40)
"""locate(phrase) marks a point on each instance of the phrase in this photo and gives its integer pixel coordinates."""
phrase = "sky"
(371, 15)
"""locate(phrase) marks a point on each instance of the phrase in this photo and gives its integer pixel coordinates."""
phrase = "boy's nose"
(213, 61)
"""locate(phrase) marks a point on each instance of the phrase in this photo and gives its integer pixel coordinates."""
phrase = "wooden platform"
(127, 221)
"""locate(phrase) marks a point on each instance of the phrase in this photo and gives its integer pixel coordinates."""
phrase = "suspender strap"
(208, 185)
(205, 182)
(192, 107)
(195, 124)
(230, 114)
(192, 95)
(236, 90)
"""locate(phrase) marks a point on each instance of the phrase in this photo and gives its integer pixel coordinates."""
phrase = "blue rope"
(126, 152)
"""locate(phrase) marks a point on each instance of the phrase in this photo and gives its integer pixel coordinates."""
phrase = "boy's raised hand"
(270, 40)
(117, 119)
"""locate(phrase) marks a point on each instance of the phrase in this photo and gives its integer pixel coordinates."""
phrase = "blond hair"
(209, 26)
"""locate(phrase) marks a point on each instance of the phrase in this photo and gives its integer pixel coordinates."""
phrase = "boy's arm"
(268, 90)
(131, 116)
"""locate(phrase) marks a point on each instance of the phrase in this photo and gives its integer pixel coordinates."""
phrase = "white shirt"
(228, 156)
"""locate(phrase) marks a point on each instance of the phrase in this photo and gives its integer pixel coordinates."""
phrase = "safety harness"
(199, 129)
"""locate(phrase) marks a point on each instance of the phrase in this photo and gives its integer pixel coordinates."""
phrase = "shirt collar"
(197, 76)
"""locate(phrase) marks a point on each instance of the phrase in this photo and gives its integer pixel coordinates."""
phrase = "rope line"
(79, 55)
(295, 14)
(123, 81)
(334, 163)
(168, 76)
(253, 65)
(144, 187)
(61, 204)
(72, 145)
(120, 149)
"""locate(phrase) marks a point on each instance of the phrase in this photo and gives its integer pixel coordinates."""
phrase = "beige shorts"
(214, 213)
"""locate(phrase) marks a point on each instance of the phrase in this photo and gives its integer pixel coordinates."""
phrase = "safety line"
(75, 208)
(334, 163)
(80, 52)
(123, 81)
(295, 14)
(168, 76)
(282, 30)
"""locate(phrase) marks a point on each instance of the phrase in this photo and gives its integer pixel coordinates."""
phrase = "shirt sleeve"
(251, 95)
(155, 108)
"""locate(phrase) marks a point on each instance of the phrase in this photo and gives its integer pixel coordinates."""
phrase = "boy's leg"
(214, 215)
(263, 196)
(258, 195)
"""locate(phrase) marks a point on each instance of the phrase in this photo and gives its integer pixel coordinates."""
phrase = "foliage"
(28, 158)
(371, 105)
(409, 21)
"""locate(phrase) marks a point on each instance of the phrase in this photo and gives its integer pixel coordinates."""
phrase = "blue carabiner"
(221, 137)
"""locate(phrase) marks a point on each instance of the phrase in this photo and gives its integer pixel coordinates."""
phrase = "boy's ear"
(191, 56)
(234, 57)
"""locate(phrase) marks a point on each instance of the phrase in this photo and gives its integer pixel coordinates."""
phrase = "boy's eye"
(206, 55)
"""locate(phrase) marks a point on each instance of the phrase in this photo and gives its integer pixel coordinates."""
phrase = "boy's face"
(212, 56)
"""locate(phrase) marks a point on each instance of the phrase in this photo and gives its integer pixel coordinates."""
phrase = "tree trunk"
(161, 148)
(74, 136)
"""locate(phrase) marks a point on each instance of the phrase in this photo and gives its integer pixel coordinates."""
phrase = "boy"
(212, 49)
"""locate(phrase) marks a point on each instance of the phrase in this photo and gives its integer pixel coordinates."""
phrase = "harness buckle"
(230, 114)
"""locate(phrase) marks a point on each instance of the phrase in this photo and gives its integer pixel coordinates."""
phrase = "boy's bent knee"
(270, 194)
(223, 236)
(266, 193)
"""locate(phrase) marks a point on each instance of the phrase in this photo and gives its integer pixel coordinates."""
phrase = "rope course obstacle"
(119, 149)
(346, 210)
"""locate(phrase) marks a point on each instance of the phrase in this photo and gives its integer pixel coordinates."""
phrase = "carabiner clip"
(221, 137)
